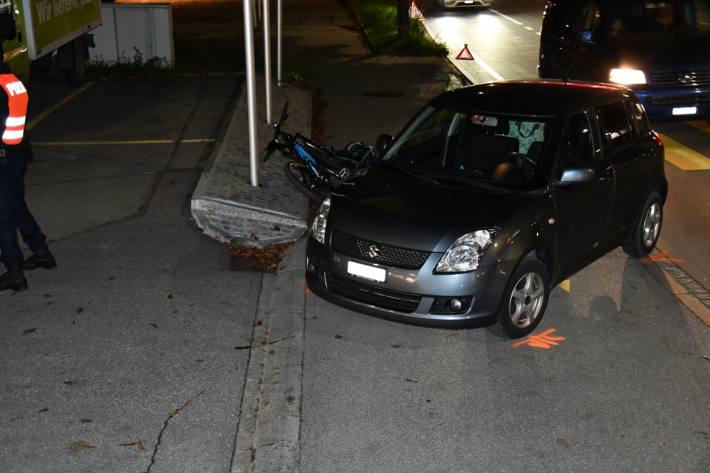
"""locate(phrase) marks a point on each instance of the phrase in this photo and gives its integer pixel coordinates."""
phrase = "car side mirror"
(382, 144)
(576, 175)
(7, 27)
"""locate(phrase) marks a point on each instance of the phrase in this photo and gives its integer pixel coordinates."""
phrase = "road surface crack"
(172, 414)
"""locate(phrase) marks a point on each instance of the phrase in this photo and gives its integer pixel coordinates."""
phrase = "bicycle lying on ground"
(316, 169)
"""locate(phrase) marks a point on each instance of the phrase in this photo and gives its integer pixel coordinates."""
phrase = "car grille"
(679, 99)
(372, 295)
(395, 256)
(693, 78)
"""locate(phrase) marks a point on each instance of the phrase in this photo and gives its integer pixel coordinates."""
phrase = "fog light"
(451, 305)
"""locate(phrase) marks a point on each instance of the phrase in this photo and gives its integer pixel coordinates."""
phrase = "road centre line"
(123, 142)
(35, 121)
(506, 17)
(683, 157)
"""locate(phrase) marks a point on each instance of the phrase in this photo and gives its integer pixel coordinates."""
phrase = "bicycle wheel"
(303, 179)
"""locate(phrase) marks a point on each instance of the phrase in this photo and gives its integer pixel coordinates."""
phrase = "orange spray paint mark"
(544, 340)
(662, 258)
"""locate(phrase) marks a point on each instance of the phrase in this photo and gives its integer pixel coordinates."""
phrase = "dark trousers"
(14, 214)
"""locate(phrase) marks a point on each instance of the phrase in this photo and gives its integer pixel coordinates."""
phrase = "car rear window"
(615, 124)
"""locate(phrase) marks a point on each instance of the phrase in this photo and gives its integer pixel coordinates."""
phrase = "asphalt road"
(614, 381)
(505, 43)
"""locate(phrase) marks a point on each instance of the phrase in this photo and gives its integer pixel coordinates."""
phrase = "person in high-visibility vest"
(14, 214)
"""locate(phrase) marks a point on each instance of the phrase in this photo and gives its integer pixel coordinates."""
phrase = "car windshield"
(653, 20)
(468, 148)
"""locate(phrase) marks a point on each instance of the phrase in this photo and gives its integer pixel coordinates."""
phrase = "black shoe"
(43, 260)
(13, 279)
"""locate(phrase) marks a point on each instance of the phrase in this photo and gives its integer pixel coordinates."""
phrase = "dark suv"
(659, 48)
(489, 197)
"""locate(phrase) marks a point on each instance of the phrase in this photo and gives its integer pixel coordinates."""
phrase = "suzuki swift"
(489, 197)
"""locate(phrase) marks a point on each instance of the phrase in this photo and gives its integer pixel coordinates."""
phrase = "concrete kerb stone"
(225, 205)
(269, 430)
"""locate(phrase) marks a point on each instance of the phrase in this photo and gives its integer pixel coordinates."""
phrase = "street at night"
(160, 345)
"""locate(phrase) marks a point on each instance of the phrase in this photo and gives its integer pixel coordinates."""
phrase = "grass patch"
(379, 20)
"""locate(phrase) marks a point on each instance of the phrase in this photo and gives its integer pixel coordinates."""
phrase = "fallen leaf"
(170, 296)
(707, 357)
(338, 337)
(562, 442)
(79, 310)
(29, 331)
(80, 445)
(175, 413)
(137, 445)
(85, 421)
(153, 325)
(43, 410)
(46, 295)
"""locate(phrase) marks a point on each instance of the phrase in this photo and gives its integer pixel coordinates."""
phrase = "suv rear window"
(651, 19)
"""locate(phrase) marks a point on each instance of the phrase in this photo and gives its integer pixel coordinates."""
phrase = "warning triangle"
(414, 12)
(465, 54)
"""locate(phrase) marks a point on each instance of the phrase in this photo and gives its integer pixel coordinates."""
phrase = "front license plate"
(678, 111)
(365, 271)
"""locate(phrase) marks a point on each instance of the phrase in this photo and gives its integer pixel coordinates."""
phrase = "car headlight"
(626, 76)
(320, 221)
(465, 253)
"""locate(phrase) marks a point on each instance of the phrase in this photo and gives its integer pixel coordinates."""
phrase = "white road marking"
(486, 67)
(506, 17)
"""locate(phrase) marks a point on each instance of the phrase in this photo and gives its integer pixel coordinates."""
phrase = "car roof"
(532, 97)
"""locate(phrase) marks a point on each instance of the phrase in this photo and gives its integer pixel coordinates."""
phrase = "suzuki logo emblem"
(373, 251)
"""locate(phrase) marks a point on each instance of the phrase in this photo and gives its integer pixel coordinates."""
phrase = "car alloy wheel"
(652, 225)
(526, 300)
(647, 228)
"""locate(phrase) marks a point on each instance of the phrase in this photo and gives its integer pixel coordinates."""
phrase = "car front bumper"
(464, 3)
(660, 102)
(407, 295)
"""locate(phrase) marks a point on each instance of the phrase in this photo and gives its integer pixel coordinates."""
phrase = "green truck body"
(44, 26)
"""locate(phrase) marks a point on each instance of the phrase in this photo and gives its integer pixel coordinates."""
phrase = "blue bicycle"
(317, 169)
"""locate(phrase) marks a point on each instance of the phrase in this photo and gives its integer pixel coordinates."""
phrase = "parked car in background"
(658, 48)
(463, 3)
(489, 197)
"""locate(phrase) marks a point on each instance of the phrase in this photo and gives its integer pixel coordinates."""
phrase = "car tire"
(526, 296)
(645, 234)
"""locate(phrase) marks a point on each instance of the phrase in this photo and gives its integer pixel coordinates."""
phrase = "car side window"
(583, 20)
(577, 144)
(616, 128)
(639, 120)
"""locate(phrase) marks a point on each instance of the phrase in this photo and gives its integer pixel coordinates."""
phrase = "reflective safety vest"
(17, 100)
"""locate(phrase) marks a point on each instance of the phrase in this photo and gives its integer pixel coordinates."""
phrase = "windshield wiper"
(410, 173)
(470, 182)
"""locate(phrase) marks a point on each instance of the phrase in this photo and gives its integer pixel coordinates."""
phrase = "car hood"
(390, 207)
(658, 56)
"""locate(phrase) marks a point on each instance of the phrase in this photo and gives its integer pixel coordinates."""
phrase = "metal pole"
(279, 25)
(267, 59)
(251, 90)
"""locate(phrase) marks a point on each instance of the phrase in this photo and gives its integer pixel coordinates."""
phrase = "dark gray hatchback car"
(488, 198)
